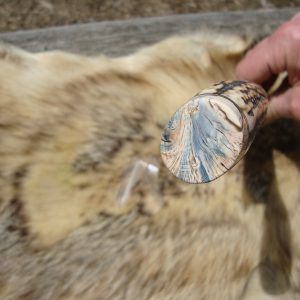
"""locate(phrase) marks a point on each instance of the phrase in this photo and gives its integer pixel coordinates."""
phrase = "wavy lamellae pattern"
(208, 135)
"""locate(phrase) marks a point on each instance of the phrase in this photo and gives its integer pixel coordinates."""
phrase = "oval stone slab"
(209, 134)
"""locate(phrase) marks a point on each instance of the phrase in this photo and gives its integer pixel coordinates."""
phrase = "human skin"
(277, 53)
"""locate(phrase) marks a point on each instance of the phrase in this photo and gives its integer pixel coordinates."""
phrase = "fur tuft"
(72, 127)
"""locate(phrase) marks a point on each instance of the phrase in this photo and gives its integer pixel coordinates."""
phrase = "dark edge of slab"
(116, 38)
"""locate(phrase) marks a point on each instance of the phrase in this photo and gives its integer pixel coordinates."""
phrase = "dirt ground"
(28, 14)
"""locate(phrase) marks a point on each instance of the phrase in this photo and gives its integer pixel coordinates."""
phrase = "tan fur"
(71, 127)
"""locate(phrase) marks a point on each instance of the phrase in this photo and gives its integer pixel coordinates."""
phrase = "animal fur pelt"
(73, 128)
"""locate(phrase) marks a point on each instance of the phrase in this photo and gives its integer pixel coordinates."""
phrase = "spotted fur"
(71, 127)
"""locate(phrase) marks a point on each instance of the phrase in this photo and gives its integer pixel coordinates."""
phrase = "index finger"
(263, 61)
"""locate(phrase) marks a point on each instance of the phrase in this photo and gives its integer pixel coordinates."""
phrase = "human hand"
(277, 53)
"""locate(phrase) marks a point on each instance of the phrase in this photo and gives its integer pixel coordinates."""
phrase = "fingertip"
(239, 70)
(242, 68)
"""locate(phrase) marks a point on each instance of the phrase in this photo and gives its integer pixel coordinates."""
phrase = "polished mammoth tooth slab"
(210, 133)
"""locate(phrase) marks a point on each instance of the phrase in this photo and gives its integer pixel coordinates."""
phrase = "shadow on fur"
(259, 171)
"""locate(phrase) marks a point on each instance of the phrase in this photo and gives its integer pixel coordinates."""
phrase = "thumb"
(285, 105)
